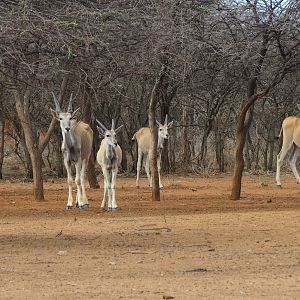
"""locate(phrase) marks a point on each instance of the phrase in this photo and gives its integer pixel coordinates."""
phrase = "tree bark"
(185, 139)
(154, 134)
(245, 119)
(203, 148)
(87, 118)
(35, 148)
(272, 147)
(31, 143)
(164, 110)
(242, 130)
(58, 164)
(2, 130)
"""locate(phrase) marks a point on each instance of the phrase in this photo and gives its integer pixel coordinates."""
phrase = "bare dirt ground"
(194, 244)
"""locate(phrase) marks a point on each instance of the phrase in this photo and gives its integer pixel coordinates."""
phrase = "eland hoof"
(77, 205)
(69, 207)
(279, 186)
(112, 209)
(84, 206)
(137, 186)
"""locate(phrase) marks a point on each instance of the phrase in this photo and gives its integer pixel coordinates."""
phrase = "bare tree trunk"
(266, 151)
(154, 134)
(219, 148)
(2, 129)
(31, 143)
(242, 130)
(58, 164)
(203, 149)
(245, 119)
(239, 158)
(28, 163)
(34, 145)
(272, 147)
(164, 110)
(87, 118)
(124, 163)
(185, 139)
(249, 152)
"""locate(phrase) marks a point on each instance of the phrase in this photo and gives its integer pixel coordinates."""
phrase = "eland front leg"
(107, 180)
(158, 168)
(114, 205)
(70, 182)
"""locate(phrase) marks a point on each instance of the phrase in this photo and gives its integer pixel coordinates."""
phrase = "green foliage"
(70, 54)
(107, 13)
(70, 24)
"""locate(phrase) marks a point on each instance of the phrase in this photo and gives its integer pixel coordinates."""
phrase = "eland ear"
(75, 112)
(170, 124)
(100, 130)
(54, 114)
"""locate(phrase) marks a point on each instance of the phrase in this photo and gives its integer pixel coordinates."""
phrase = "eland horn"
(70, 106)
(57, 106)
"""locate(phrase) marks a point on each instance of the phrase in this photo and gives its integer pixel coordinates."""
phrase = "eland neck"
(160, 143)
(109, 151)
(68, 139)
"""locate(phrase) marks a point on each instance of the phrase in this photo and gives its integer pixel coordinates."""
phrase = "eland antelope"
(290, 136)
(143, 138)
(76, 147)
(109, 158)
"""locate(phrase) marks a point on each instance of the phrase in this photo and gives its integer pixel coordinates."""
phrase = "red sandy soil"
(193, 244)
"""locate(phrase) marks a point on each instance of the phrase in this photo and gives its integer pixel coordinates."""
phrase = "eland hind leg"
(293, 159)
(78, 166)
(104, 192)
(280, 158)
(147, 169)
(138, 168)
(85, 202)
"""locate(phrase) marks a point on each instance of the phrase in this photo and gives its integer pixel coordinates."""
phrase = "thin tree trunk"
(249, 152)
(34, 146)
(239, 159)
(242, 130)
(203, 148)
(272, 147)
(154, 134)
(164, 110)
(266, 151)
(185, 139)
(2, 129)
(28, 163)
(57, 156)
(31, 143)
(87, 118)
(244, 120)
